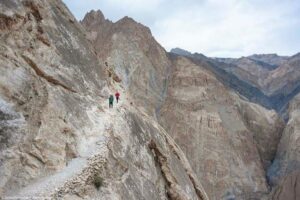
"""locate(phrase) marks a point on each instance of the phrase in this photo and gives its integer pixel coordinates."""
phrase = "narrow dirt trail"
(46, 185)
(94, 142)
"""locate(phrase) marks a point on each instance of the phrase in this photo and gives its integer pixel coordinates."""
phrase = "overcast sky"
(223, 28)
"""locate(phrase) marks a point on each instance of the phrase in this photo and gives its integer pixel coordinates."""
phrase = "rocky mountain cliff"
(185, 127)
(58, 138)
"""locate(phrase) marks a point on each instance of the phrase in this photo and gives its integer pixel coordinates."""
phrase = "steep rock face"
(129, 48)
(266, 126)
(223, 136)
(57, 134)
(288, 158)
(47, 68)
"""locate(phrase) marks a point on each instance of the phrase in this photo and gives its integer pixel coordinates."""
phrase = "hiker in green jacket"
(111, 101)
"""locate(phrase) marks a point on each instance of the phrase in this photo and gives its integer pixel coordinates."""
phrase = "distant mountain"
(268, 79)
(272, 59)
(181, 52)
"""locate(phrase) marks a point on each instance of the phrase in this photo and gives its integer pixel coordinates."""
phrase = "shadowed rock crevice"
(174, 192)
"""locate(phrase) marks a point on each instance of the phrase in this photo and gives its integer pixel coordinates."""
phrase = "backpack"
(111, 98)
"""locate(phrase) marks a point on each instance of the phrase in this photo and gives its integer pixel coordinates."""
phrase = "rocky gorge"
(187, 126)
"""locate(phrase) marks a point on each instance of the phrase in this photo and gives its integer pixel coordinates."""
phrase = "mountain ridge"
(254, 71)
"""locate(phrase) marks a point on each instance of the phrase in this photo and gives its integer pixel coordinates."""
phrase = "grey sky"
(223, 28)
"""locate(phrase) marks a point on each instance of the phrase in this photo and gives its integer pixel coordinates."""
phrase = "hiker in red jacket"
(117, 96)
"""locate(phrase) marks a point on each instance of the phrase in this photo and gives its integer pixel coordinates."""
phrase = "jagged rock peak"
(95, 14)
(97, 19)
(93, 17)
(130, 24)
(127, 19)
